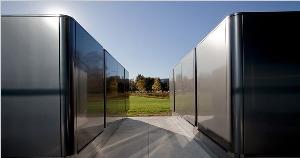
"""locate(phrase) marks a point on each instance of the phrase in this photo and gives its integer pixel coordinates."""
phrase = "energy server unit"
(248, 84)
(54, 82)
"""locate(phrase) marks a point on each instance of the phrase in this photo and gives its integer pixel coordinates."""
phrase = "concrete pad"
(153, 137)
(168, 139)
(130, 140)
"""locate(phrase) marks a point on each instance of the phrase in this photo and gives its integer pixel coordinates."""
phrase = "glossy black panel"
(272, 83)
(121, 90)
(213, 82)
(178, 88)
(115, 96)
(68, 113)
(236, 82)
(171, 91)
(53, 87)
(90, 87)
(30, 99)
(186, 106)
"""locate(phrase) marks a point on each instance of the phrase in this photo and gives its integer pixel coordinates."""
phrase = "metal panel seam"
(104, 87)
(195, 82)
(243, 89)
(59, 76)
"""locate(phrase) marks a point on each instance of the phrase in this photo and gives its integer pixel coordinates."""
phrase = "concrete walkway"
(153, 137)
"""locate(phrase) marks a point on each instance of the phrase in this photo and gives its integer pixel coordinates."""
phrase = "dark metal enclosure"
(248, 93)
(53, 86)
(30, 86)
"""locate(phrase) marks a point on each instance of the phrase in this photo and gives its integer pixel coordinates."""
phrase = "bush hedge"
(151, 94)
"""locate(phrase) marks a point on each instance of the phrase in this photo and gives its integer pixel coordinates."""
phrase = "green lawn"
(143, 106)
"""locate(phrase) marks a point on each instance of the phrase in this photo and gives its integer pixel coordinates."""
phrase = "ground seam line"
(148, 140)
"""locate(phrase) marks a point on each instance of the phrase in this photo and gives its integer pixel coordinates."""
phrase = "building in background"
(165, 84)
(164, 80)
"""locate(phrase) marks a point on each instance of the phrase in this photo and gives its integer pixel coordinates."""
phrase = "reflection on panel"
(126, 90)
(171, 90)
(30, 87)
(121, 89)
(90, 82)
(178, 88)
(213, 109)
(188, 109)
(115, 98)
(53, 87)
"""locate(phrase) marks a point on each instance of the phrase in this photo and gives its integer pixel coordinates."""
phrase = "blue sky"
(147, 38)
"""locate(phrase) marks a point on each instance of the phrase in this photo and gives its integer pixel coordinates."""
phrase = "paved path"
(153, 137)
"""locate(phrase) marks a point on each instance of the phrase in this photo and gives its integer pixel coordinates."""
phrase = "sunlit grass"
(138, 106)
(143, 106)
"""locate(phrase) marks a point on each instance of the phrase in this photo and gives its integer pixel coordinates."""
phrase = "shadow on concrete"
(152, 137)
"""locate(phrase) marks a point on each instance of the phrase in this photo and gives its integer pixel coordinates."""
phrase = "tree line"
(147, 84)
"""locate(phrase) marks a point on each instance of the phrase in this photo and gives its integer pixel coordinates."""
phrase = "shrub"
(158, 94)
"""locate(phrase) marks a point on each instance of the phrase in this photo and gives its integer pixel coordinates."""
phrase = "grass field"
(143, 106)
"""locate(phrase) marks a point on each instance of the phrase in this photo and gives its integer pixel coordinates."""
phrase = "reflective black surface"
(236, 81)
(53, 87)
(115, 90)
(272, 83)
(30, 99)
(126, 90)
(178, 87)
(89, 56)
(213, 85)
(172, 90)
(256, 92)
(185, 88)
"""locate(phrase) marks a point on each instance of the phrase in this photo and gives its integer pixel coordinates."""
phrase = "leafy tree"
(156, 85)
(164, 86)
(140, 85)
(112, 86)
(132, 86)
(148, 83)
(139, 77)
